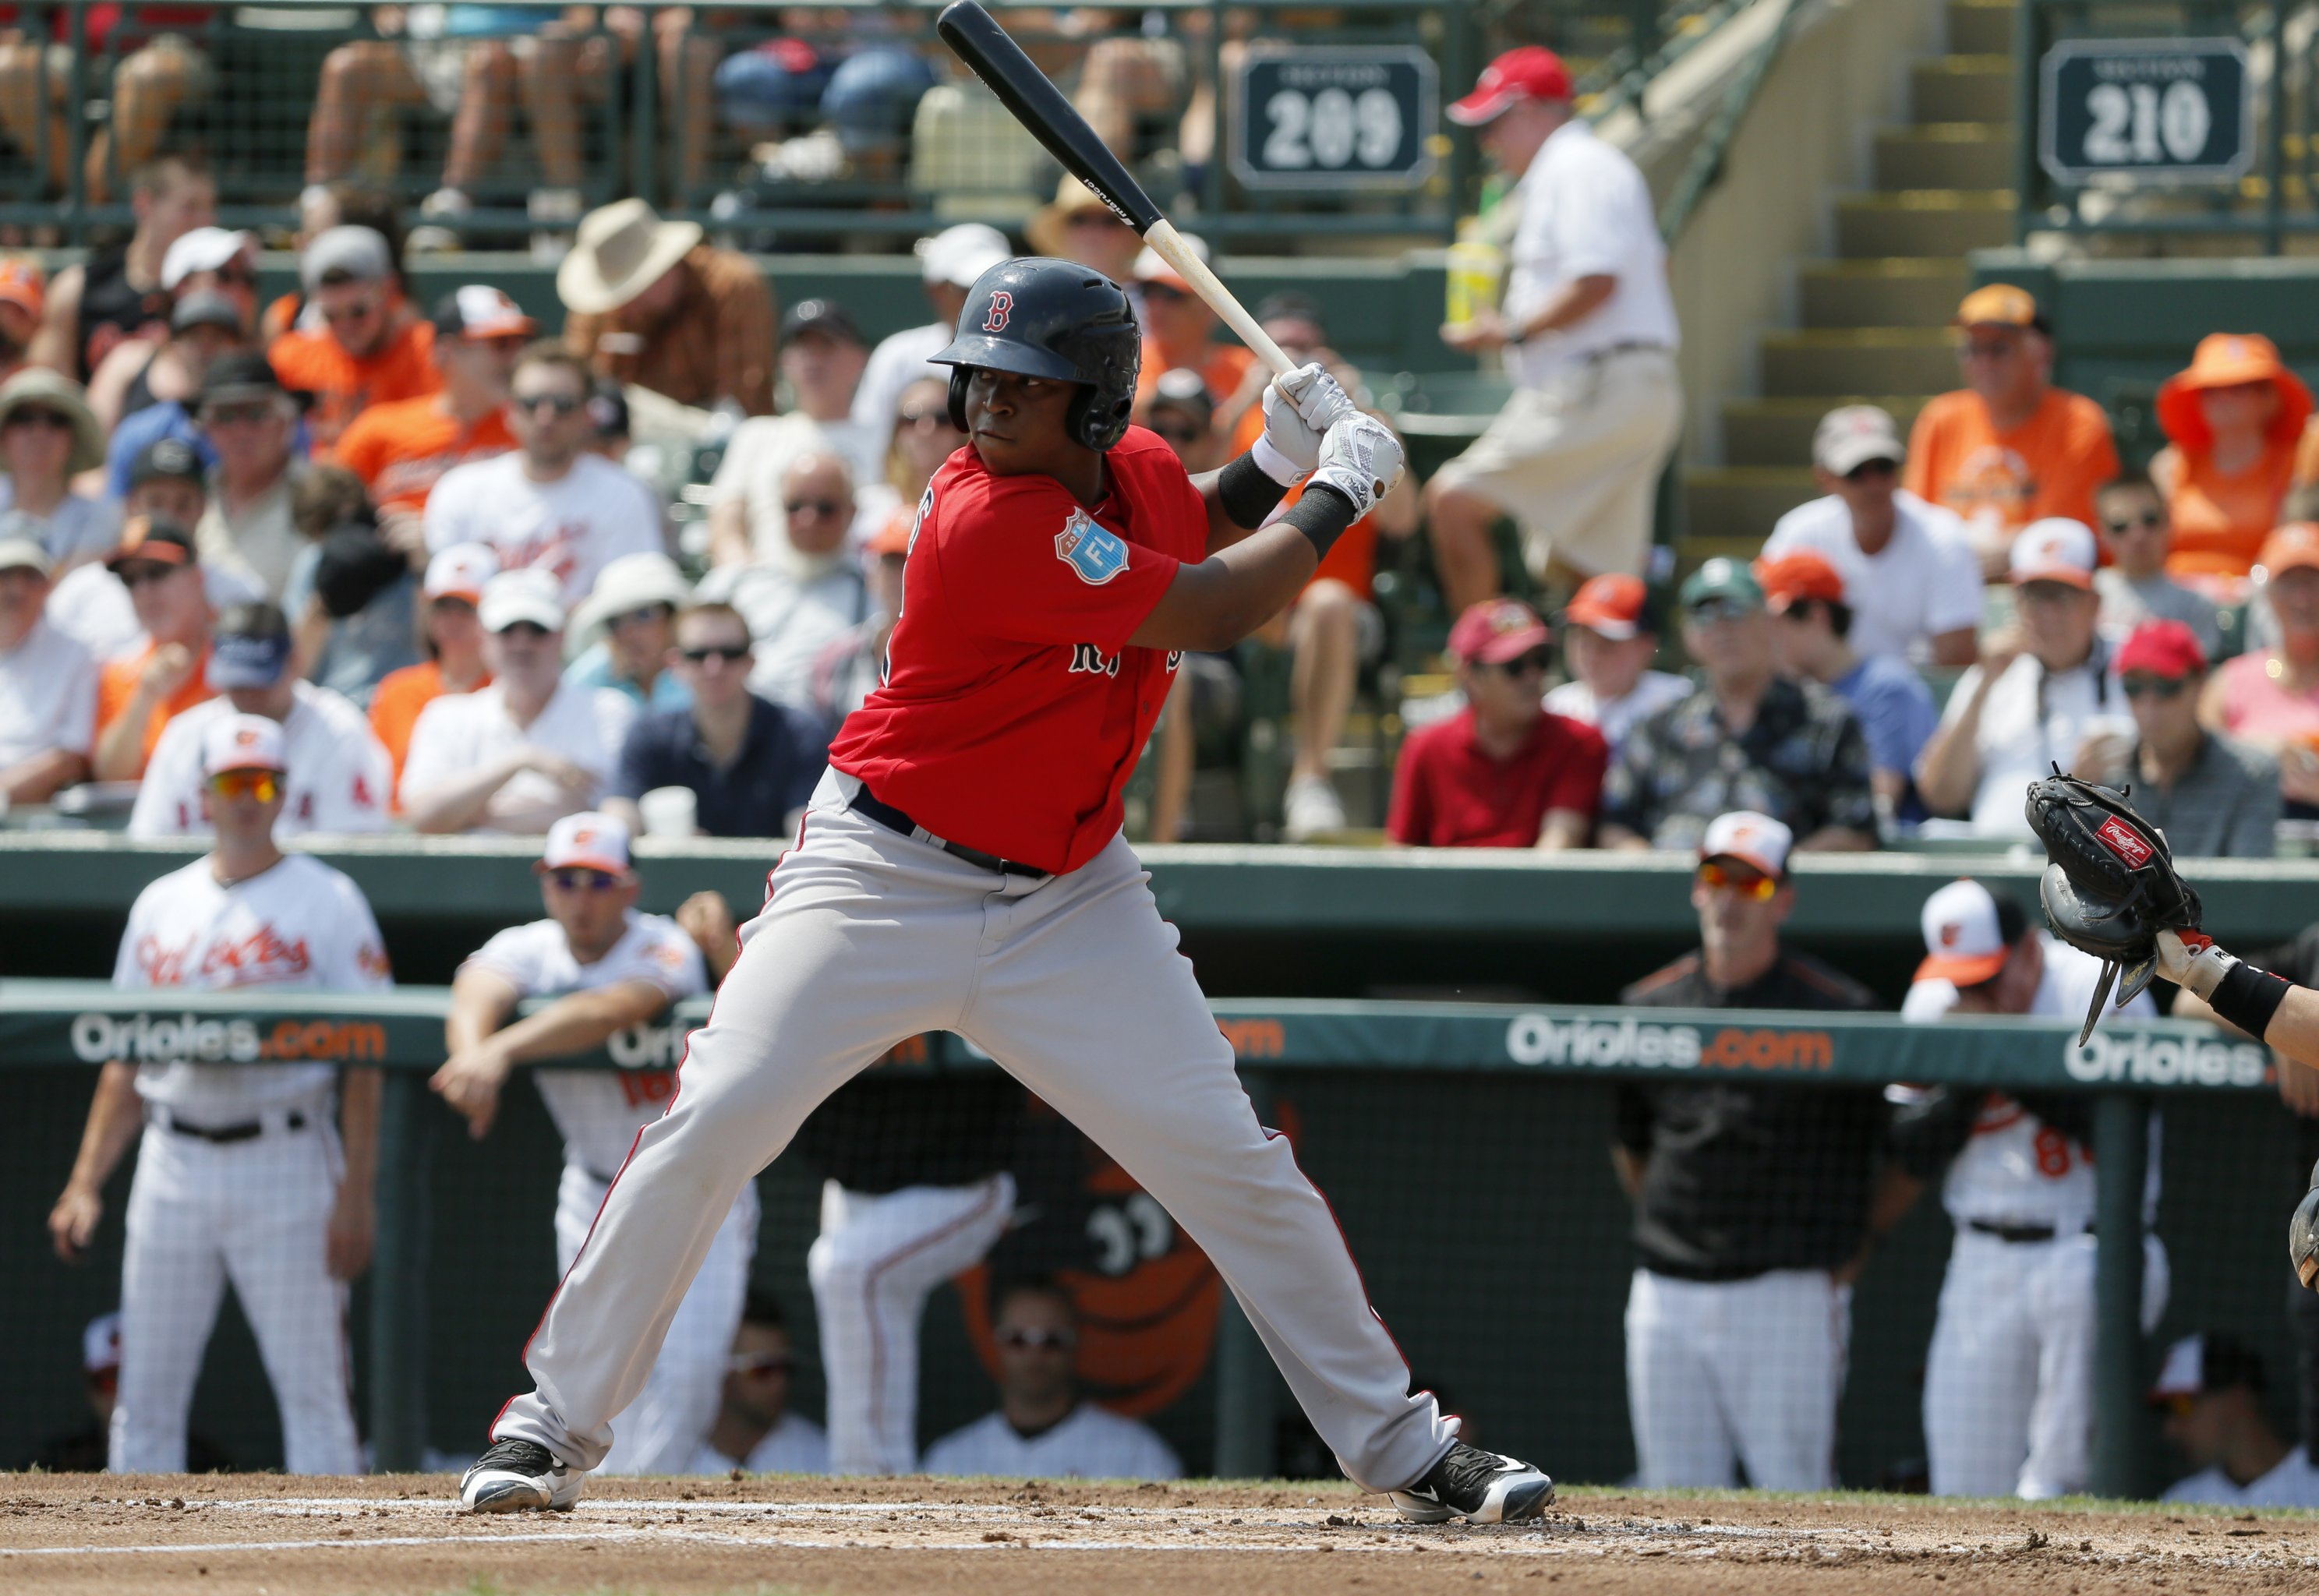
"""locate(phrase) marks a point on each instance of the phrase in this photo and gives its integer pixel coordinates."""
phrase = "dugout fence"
(1464, 1147)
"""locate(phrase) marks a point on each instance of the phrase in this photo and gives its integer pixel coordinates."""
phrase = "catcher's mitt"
(2111, 886)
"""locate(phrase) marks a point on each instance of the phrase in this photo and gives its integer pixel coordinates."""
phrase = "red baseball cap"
(1797, 576)
(1532, 72)
(1497, 630)
(1610, 605)
(2165, 648)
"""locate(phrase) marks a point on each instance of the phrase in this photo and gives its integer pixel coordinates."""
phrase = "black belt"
(2017, 1233)
(247, 1130)
(893, 819)
(1628, 346)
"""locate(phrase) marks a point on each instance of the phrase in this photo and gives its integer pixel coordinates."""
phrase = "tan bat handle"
(1168, 245)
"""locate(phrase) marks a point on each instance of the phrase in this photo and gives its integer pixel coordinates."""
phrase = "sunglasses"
(732, 654)
(1180, 436)
(29, 417)
(133, 577)
(1024, 1340)
(1707, 611)
(923, 418)
(1166, 293)
(264, 786)
(237, 415)
(1753, 885)
(1870, 470)
(1996, 349)
(771, 1362)
(2153, 687)
(820, 506)
(560, 404)
(576, 878)
(2149, 520)
(236, 276)
(1533, 664)
(354, 312)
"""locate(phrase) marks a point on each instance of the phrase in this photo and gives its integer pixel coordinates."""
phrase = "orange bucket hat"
(2223, 360)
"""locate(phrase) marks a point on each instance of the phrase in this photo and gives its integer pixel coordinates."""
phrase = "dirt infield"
(400, 1535)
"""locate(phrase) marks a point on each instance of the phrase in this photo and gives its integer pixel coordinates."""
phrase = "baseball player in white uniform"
(609, 968)
(240, 1174)
(2008, 1381)
(340, 779)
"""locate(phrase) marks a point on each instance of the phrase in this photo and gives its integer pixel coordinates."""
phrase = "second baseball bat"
(978, 39)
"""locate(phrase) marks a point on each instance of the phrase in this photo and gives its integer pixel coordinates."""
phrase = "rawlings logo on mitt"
(2110, 886)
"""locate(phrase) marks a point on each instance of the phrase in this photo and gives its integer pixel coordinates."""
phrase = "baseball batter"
(609, 967)
(2008, 1380)
(239, 1174)
(960, 869)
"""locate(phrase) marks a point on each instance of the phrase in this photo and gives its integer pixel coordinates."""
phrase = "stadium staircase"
(1874, 319)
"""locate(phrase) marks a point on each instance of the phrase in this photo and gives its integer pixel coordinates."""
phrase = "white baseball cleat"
(519, 1476)
(1481, 1487)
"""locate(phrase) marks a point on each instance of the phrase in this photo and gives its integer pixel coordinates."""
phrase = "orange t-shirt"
(2048, 466)
(395, 703)
(343, 387)
(116, 685)
(1352, 558)
(1222, 367)
(2220, 522)
(401, 449)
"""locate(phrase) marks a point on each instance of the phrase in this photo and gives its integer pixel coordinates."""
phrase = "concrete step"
(1945, 155)
(1981, 27)
(1962, 88)
(1923, 221)
(1900, 290)
(1779, 431)
(1742, 501)
(1860, 360)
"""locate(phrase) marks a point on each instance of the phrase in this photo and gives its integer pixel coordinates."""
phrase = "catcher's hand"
(2111, 886)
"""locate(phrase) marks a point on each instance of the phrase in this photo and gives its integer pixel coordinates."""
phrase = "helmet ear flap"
(958, 397)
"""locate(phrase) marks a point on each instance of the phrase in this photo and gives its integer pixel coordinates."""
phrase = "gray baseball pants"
(869, 937)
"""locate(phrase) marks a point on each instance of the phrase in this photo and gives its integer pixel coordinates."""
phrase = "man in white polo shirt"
(2043, 694)
(1909, 572)
(1588, 327)
(48, 685)
(526, 750)
(2212, 1392)
(340, 779)
(1042, 1427)
(608, 968)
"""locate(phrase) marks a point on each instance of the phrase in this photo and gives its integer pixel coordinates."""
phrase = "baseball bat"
(978, 39)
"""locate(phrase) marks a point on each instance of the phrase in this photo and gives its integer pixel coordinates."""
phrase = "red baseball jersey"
(1013, 709)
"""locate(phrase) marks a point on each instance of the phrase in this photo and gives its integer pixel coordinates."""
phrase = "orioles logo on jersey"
(1002, 306)
(264, 955)
(1095, 554)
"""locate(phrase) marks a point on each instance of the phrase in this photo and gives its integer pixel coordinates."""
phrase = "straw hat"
(38, 385)
(620, 251)
(1049, 224)
(2222, 360)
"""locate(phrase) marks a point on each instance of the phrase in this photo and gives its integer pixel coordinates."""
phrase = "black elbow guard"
(1322, 514)
(1246, 494)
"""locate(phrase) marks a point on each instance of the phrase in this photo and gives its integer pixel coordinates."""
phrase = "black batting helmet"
(1042, 318)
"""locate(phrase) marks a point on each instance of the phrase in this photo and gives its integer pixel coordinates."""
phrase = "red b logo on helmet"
(1002, 305)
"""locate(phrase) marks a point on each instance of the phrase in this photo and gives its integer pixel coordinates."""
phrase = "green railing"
(643, 108)
(46, 1026)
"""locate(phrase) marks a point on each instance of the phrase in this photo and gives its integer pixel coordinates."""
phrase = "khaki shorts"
(1576, 461)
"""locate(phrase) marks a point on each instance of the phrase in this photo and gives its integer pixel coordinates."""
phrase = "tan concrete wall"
(1841, 73)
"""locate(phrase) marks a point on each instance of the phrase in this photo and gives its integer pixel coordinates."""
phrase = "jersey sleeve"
(169, 799)
(361, 449)
(126, 969)
(445, 519)
(1019, 559)
(668, 959)
(513, 956)
(360, 958)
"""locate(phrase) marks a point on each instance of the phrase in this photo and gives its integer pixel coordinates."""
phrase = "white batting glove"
(1361, 459)
(2196, 963)
(1299, 408)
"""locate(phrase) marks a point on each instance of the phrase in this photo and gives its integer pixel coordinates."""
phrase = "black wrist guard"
(1322, 514)
(1246, 494)
(2248, 998)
